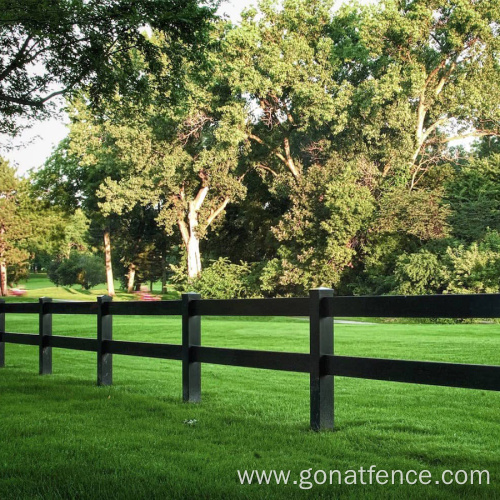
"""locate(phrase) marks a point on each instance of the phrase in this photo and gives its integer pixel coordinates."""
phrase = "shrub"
(52, 273)
(458, 268)
(420, 273)
(68, 269)
(84, 269)
(476, 268)
(220, 280)
(92, 271)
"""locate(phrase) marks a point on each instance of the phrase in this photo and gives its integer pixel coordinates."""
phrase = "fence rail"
(321, 363)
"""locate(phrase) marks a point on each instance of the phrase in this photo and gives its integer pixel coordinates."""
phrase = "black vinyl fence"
(321, 363)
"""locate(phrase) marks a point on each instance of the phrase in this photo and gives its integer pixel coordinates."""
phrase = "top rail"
(412, 306)
(20, 307)
(415, 306)
(162, 307)
(165, 307)
(251, 307)
(70, 307)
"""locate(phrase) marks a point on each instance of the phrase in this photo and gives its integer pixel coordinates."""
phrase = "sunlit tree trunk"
(194, 258)
(3, 278)
(190, 236)
(189, 231)
(109, 268)
(131, 278)
(3, 265)
(163, 272)
(192, 246)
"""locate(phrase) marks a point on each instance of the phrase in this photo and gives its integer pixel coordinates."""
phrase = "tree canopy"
(55, 47)
(317, 145)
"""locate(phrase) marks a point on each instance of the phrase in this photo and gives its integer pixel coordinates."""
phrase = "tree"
(82, 268)
(473, 194)
(432, 78)
(390, 86)
(281, 63)
(72, 177)
(334, 128)
(455, 268)
(56, 47)
(475, 268)
(330, 206)
(143, 248)
(66, 183)
(190, 182)
(182, 160)
(223, 280)
(420, 273)
(15, 227)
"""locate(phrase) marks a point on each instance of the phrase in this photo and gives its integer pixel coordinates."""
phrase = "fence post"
(44, 330)
(321, 342)
(191, 335)
(104, 332)
(2, 330)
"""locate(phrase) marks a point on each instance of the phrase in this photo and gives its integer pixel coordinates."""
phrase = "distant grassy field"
(63, 437)
(38, 285)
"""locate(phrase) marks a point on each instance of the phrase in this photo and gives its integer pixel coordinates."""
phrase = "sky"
(35, 144)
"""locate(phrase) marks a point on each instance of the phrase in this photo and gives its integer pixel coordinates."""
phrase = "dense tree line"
(303, 147)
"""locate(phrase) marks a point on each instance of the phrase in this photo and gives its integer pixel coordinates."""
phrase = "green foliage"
(433, 78)
(83, 269)
(71, 178)
(330, 207)
(15, 226)
(282, 60)
(92, 271)
(475, 268)
(419, 273)
(75, 44)
(376, 263)
(182, 160)
(384, 85)
(52, 272)
(57, 235)
(455, 268)
(65, 273)
(312, 142)
(421, 214)
(222, 280)
(31, 232)
(473, 195)
(281, 278)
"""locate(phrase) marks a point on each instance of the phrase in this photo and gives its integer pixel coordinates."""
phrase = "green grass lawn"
(38, 285)
(61, 436)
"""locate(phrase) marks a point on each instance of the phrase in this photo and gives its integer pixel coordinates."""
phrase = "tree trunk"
(194, 258)
(163, 272)
(3, 279)
(189, 231)
(193, 244)
(109, 268)
(131, 278)
(3, 265)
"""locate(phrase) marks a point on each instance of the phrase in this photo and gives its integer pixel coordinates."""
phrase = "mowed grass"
(61, 436)
(38, 285)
